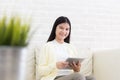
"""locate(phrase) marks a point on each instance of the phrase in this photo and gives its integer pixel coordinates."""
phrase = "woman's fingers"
(75, 66)
(78, 63)
(61, 64)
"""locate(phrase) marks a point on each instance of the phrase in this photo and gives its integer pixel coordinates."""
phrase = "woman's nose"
(64, 31)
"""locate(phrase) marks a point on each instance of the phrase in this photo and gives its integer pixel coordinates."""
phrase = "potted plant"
(13, 43)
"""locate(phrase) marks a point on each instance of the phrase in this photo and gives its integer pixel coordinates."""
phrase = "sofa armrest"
(107, 65)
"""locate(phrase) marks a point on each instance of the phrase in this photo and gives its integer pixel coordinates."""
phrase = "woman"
(52, 59)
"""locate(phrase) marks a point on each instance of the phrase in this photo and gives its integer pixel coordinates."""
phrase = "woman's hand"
(76, 66)
(61, 64)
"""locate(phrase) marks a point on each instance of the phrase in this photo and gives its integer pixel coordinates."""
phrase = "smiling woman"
(52, 64)
(62, 31)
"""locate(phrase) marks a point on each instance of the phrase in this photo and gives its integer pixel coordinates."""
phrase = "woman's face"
(62, 31)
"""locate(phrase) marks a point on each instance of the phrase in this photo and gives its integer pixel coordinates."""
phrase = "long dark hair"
(59, 20)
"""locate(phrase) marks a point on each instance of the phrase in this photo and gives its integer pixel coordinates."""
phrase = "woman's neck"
(60, 41)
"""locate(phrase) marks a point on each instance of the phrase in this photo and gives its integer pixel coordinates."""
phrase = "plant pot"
(12, 63)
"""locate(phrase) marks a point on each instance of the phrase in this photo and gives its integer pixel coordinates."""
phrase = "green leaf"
(2, 29)
(8, 32)
(13, 33)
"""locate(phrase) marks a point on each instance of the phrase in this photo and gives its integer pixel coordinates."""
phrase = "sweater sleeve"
(46, 61)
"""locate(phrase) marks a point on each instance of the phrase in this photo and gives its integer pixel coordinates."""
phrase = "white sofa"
(106, 64)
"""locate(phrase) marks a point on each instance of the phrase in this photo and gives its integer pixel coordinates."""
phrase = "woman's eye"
(67, 29)
(61, 28)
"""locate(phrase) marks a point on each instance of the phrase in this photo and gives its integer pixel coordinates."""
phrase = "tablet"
(71, 60)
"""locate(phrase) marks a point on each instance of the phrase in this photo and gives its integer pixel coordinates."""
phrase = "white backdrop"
(95, 23)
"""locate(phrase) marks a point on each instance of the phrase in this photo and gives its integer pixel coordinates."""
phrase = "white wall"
(95, 23)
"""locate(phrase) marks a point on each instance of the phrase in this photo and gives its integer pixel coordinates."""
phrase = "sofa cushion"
(86, 67)
(107, 65)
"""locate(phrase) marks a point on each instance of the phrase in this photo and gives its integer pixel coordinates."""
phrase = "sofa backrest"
(107, 65)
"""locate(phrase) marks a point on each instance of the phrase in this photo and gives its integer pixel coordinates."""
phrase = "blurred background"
(95, 23)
